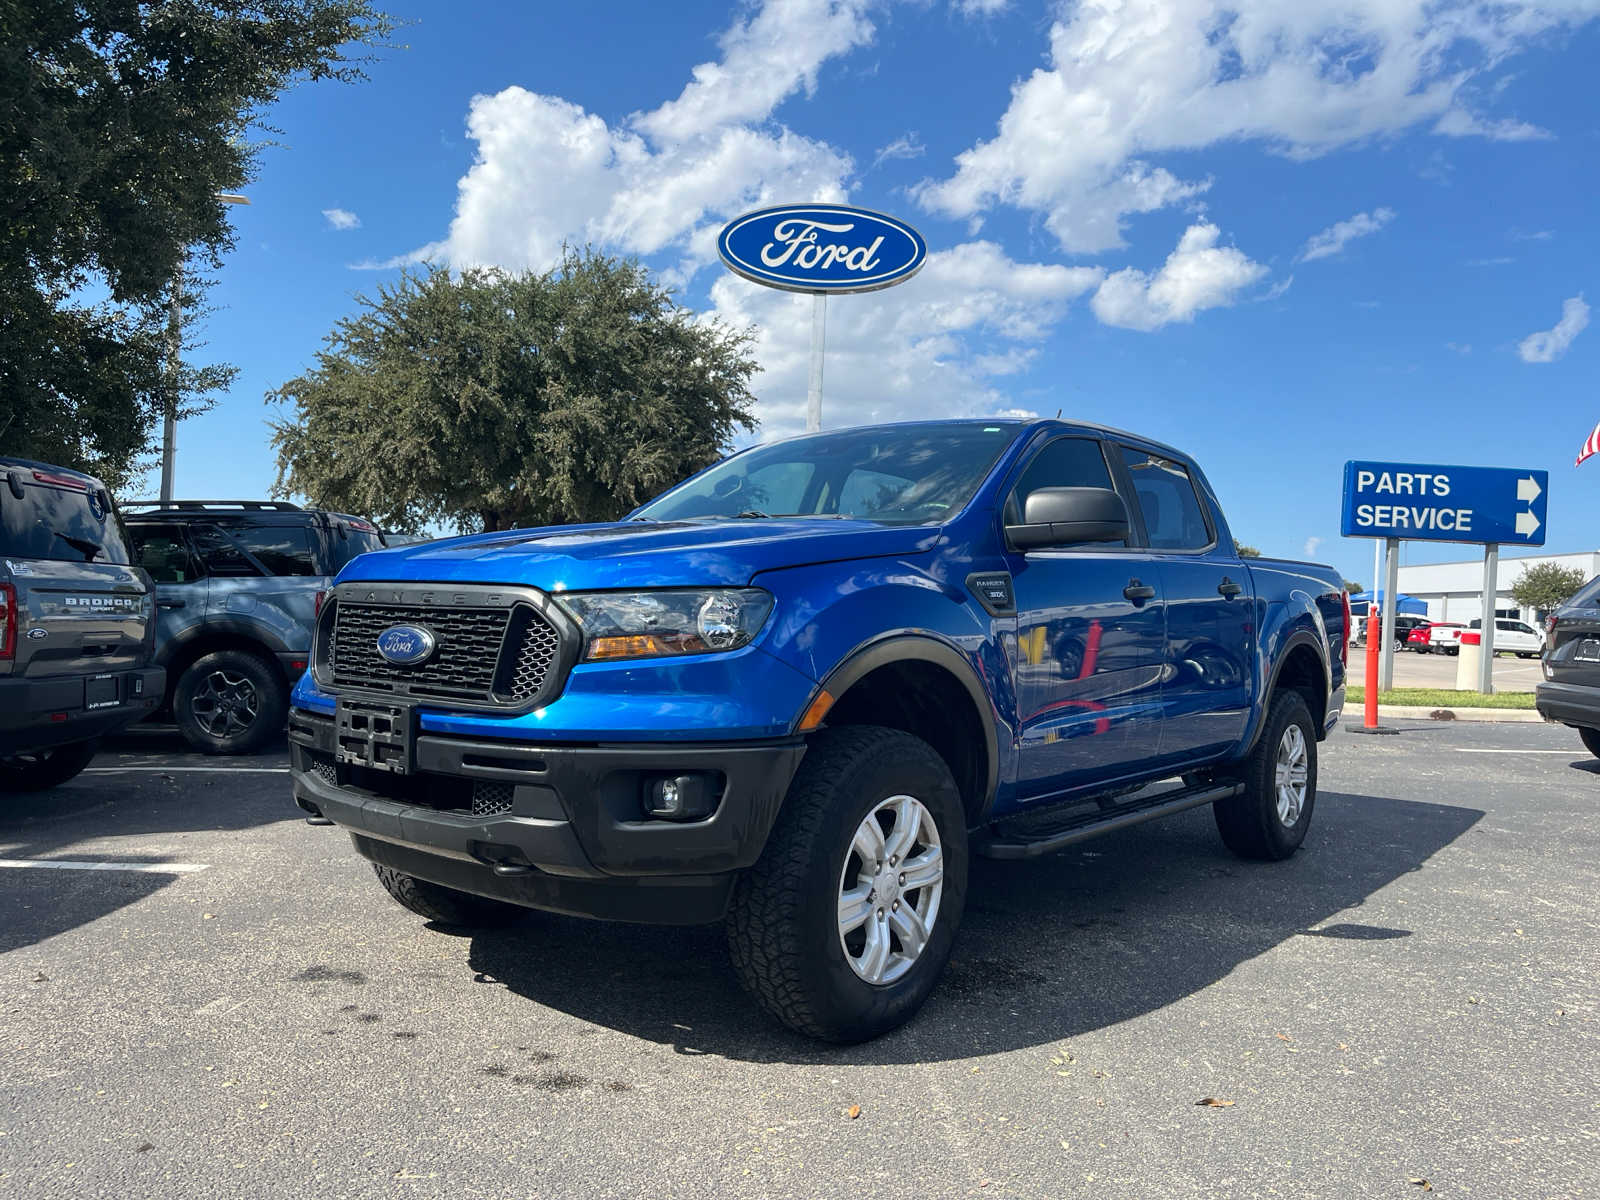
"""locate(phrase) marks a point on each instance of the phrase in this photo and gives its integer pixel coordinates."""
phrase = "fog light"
(679, 797)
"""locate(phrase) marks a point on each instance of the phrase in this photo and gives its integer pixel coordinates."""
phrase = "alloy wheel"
(889, 889)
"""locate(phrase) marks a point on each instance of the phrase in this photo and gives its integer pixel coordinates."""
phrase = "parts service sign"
(1445, 504)
(822, 248)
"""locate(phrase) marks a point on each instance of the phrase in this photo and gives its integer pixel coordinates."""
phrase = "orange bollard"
(1374, 636)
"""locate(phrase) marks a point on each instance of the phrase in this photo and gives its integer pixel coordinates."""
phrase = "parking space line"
(202, 770)
(66, 864)
(1476, 750)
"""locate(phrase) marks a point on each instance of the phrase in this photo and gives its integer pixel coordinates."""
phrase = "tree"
(1352, 587)
(119, 124)
(1546, 585)
(488, 400)
(1247, 551)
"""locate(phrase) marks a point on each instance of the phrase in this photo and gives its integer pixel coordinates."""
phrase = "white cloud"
(927, 348)
(1551, 344)
(1458, 122)
(341, 218)
(777, 51)
(1198, 275)
(1336, 237)
(981, 8)
(1459, 347)
(1311, 546)
(1128, 80)
(908, 146)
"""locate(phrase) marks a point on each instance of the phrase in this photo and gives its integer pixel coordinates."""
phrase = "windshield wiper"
(83, 546)
(650, 520)
(752, 514)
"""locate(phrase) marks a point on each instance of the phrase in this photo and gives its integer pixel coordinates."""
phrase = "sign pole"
(819, 333)
(1377, 570)
(1491, 571)
(1391, 605)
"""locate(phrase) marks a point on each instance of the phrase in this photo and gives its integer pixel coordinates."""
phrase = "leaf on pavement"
(853, 1111)
(1213, 1102)
(1419, 1181)
(1283, 1037)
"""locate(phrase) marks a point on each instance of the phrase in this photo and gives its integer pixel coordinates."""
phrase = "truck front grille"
(495, 656)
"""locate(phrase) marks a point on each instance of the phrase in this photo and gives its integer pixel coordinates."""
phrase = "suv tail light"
(1344, 642)
(9, 619)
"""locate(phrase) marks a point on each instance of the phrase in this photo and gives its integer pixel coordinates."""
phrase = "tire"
(1253, 824)
(42, 769)
(230, 702)
(447, 906)
(784, 925)
(1591, 740)
(1423, 650)
(1524, 654)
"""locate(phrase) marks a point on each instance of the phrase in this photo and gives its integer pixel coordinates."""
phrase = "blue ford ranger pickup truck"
(798, 690)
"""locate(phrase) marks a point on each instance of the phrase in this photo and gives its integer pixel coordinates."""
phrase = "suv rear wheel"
(230, 702)
(844, 925)
(1591, 740)
(41, 769)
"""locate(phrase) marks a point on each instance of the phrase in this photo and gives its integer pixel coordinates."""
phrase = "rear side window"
(1173, 516)
(221, 553)
(346, 541)
(1588, 596)
(281, 549)
(164, 552)
(67, 521)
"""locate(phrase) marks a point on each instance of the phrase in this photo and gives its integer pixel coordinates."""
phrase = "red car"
(1422, 639)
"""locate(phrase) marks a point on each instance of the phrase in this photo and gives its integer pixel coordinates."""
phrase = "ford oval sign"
(822, 248)
(406, 645)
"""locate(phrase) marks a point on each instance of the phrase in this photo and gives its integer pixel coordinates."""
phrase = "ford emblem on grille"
(406, 645)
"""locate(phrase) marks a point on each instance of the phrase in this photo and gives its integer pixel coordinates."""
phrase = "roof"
(7, 460)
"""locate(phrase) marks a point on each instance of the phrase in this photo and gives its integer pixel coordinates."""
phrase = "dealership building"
(1453, 591)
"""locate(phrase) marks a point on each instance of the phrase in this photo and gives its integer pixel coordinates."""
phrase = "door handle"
(1228, 588)
(172, 603)
(1138, 592)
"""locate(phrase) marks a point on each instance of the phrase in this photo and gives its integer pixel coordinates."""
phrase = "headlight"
(667, 622)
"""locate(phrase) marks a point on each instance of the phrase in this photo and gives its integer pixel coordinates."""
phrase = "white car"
(1519, 636)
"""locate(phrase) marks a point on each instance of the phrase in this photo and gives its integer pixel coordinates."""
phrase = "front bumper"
(1571, 704)
(573, 837)
(36, 714)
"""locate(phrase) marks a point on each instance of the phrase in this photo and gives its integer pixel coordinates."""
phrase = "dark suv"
(237, 587)
(1570, 692)
(76, 625)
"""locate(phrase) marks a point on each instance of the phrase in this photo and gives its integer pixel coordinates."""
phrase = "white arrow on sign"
(1527, 492)
(1527, 524)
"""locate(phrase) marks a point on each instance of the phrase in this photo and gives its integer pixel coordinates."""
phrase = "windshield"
(58, 517)
(914, 474)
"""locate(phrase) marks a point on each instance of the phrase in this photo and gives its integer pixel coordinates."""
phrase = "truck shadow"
(1049, 948)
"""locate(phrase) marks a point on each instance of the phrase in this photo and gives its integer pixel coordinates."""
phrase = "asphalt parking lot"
(1415, 996)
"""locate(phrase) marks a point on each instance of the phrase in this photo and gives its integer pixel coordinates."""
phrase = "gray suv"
(238, 583)
(77, 625)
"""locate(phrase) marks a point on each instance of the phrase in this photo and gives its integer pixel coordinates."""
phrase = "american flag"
(1591, 446)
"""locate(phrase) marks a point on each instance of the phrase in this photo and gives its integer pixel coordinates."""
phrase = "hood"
(636, 554)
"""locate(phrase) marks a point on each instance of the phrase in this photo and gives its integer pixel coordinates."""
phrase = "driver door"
(1091, 623)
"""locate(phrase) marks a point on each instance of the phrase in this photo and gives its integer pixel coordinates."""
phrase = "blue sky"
(1277, 233)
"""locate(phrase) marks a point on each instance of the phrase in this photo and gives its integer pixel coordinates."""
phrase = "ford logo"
(406, 645)
(822, 248)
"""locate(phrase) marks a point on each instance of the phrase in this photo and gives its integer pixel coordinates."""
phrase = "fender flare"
(1300, 637)
(926, 648)
(229, 626)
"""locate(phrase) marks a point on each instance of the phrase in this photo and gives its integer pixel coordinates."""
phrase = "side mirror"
(1069, 516)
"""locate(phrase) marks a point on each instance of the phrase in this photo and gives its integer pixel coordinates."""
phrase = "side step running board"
(1016, 843)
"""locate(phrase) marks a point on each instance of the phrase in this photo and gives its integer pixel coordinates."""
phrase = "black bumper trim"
(576, 808)
(28, 705)
(1571, 704)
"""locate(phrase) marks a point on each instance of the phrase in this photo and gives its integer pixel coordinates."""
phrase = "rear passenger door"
(1210, 625)
(263, 573)
(1089, 642)
(181, 583)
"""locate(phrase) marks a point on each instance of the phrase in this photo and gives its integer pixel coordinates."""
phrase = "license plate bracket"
(382, 737)
(1588, 650)
(101, 691)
